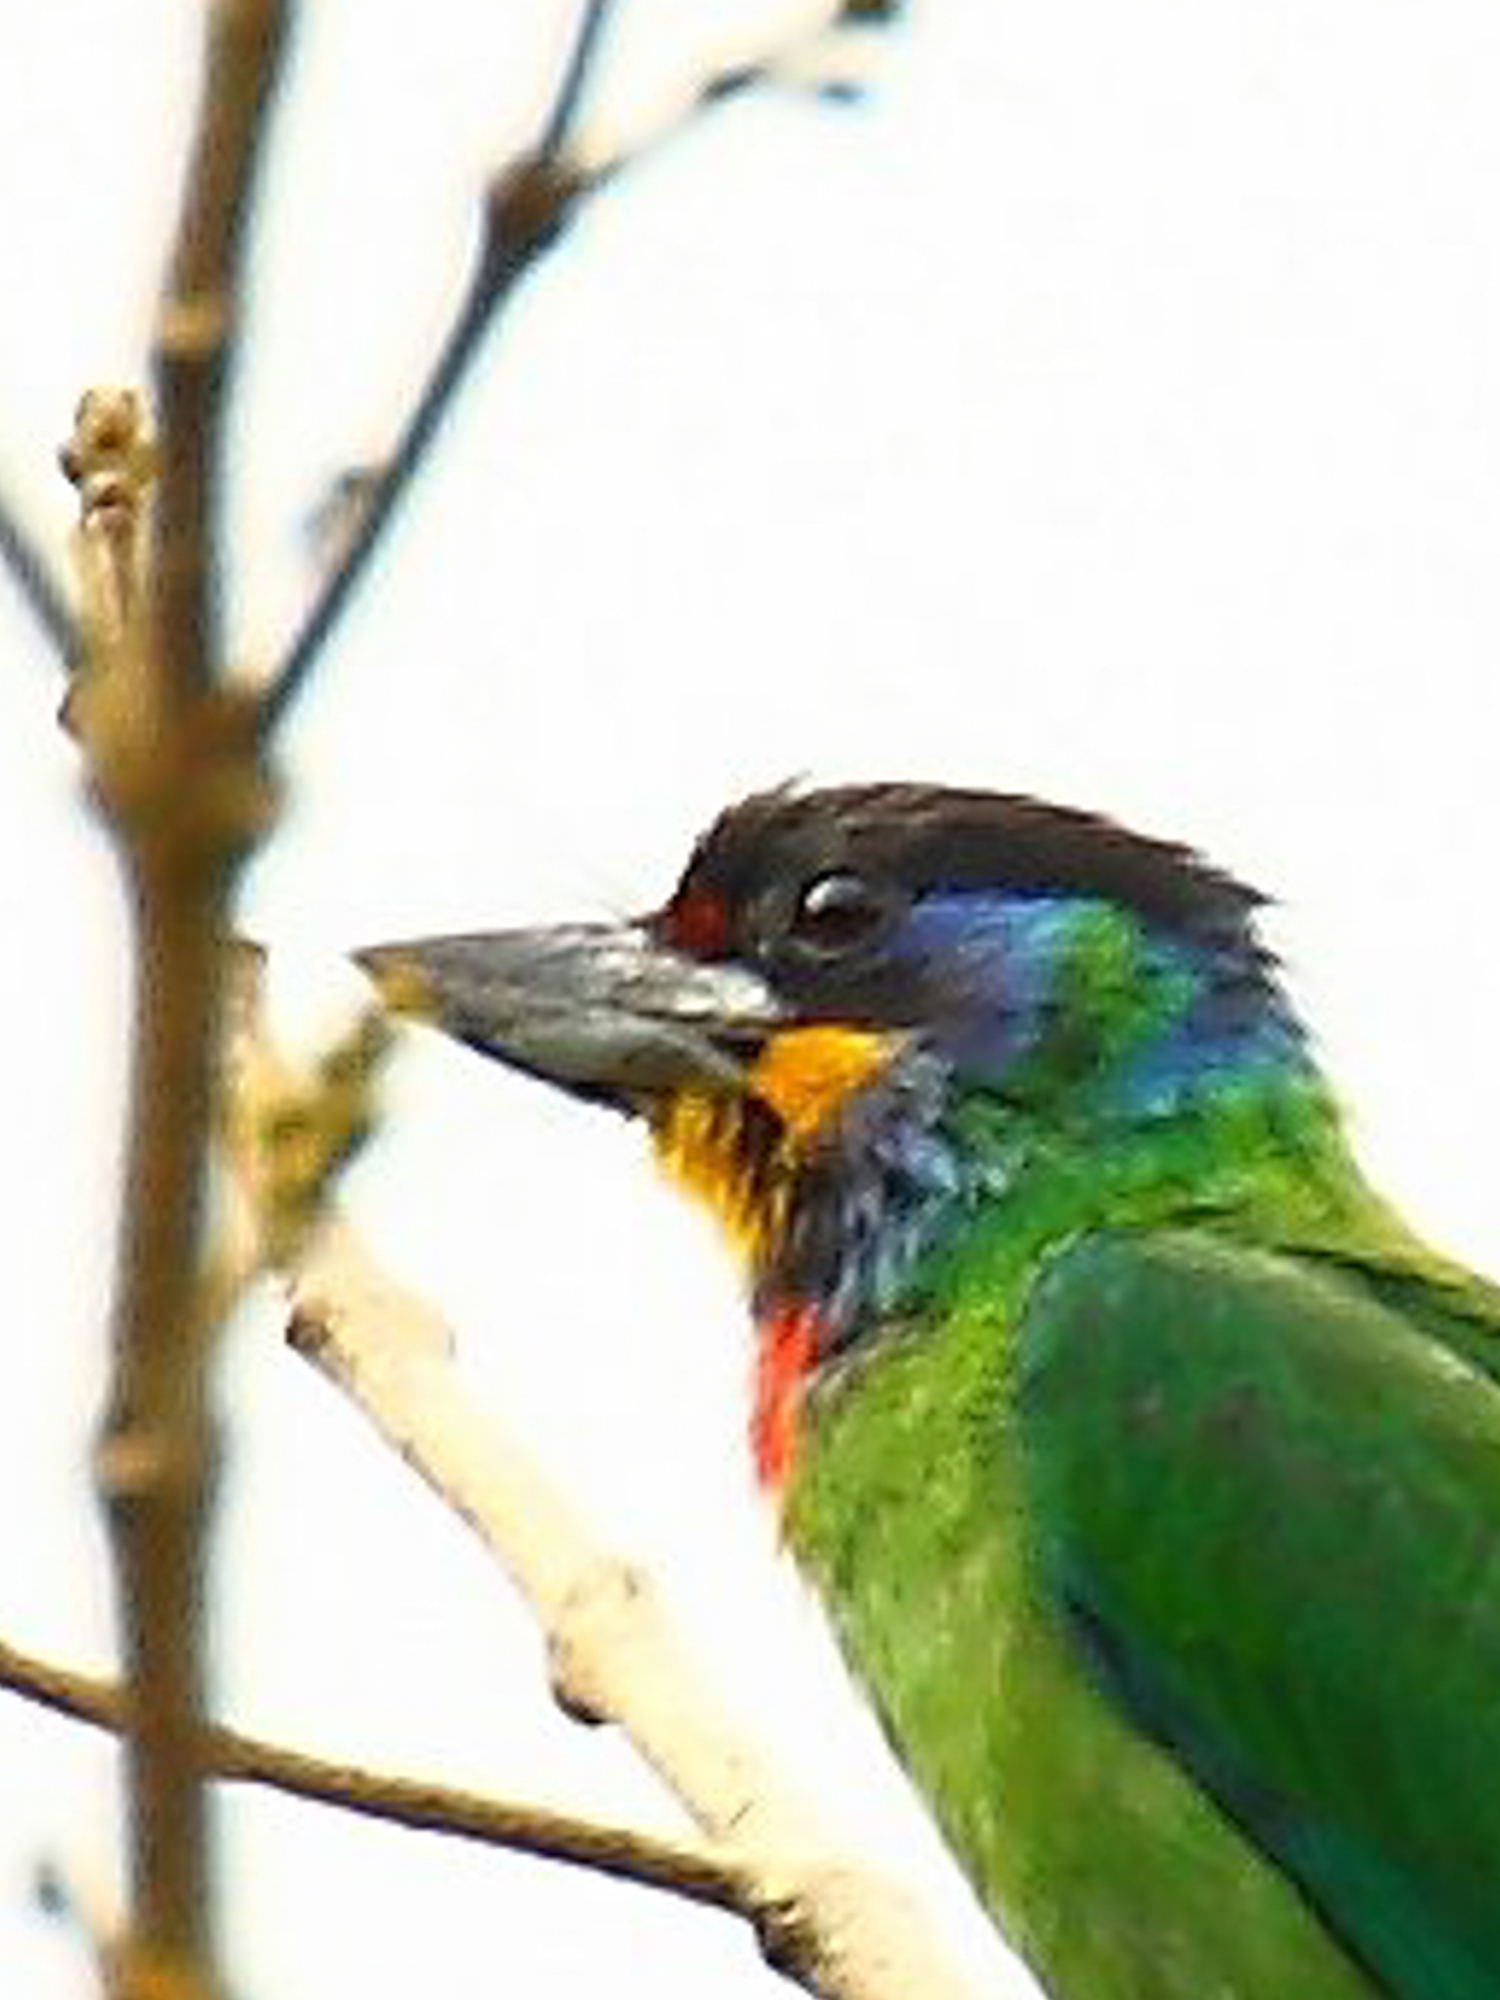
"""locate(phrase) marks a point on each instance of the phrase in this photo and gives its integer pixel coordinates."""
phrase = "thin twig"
(197, 329)
(681, 1867)
(526, 207)
(575, 77)
(41, 591)
(524, 212)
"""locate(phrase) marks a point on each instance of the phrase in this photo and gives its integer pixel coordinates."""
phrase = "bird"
(1146, 1462)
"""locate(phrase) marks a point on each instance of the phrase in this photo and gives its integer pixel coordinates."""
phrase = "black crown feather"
(930, 838)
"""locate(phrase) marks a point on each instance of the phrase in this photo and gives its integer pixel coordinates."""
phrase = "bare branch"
(840, 1930)
(174, 763)
(833, 1925)
(526, 207)
(196, 332)
(683, 1868)
(593, 16)
(174, 758)
(525, 210)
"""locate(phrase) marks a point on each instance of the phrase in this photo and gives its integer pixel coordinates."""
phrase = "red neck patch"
(786, 1350)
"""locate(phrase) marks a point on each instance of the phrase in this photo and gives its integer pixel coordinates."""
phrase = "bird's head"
(859, 1007)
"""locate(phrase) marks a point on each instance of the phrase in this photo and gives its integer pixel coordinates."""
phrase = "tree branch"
(836, 1927)
(173, 761)
(526, 207)
(571, 90)
(843, 1932)
(683, 1868)
(197, 334)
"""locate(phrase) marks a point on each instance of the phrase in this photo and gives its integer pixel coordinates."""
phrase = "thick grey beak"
(602, 1010)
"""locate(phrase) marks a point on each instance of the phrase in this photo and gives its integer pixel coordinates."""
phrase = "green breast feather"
(1175, 1575)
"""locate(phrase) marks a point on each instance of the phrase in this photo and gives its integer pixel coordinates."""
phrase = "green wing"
(1269, 1505)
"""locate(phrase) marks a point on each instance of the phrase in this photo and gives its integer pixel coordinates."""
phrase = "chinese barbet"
(1148, 1466)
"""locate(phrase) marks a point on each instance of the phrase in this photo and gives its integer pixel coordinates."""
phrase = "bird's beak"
(602, 1010)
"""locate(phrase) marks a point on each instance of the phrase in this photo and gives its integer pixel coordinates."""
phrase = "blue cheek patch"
(1170, 1016)
(1032, 1009)
(998, 963)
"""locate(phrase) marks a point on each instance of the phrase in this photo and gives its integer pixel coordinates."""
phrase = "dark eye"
(837, 911)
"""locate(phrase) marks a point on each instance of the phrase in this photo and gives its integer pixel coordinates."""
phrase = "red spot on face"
(696, 921)
(786, 1351)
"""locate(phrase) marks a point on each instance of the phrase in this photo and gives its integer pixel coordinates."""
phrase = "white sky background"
(1107, 409)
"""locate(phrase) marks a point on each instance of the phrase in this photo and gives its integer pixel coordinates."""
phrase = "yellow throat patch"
(718, 1151)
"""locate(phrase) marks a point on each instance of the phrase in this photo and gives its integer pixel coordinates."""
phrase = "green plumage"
(1109, 1475)
(1148, 1466)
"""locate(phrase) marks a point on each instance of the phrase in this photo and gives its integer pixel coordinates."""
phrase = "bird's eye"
(837, 911)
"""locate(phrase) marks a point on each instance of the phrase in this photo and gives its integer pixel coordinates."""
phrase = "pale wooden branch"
(286, 1128)
(684, 1868)
(834, 1925)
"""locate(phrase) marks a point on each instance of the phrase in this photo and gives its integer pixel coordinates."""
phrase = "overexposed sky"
(1107, 407)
